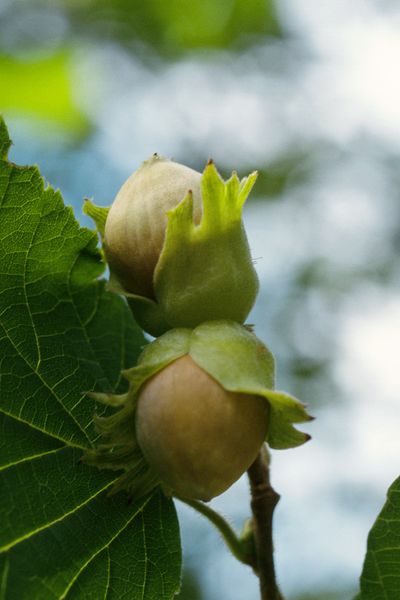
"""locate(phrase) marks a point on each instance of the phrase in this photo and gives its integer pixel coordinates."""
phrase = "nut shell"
(136, 223)
(198, 437)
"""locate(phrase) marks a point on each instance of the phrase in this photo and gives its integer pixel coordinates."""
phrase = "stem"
(263, 502)
(228, 534)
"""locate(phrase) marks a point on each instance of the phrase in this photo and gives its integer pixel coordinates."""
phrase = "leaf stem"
(239, 549)
(263, 502)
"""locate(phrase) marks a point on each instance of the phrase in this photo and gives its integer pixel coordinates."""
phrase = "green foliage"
(62, 535)
(62, 334)
(380, 577)
(177, 25)
(41, 87)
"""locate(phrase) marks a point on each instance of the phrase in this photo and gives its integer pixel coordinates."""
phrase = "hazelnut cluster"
(201, 400)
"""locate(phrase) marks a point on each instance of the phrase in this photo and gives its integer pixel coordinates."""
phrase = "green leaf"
(5, 141)
(42, 88)
(174, 27)
(61, 334)
(380, 578)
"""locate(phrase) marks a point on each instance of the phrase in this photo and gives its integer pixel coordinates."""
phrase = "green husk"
(227, 351)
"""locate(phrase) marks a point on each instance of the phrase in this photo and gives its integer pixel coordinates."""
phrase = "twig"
(239, 548)
(263, 502)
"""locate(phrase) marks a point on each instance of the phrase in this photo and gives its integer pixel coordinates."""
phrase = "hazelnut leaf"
(380, 577)
(61, 334)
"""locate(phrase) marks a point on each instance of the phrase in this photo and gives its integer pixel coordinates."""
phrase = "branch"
(263, 502)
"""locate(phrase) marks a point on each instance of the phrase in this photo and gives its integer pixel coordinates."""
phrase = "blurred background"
(307, 93)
